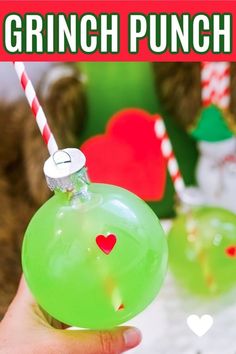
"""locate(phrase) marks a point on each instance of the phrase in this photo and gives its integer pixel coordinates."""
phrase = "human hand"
(26, 329)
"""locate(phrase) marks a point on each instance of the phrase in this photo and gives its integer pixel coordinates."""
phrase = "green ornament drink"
(94, 255)
(202, 249)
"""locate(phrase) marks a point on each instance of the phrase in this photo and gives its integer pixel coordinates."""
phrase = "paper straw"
(36, 107)
(215, 84)
(196, 241)
(168, 153)
(50, 141)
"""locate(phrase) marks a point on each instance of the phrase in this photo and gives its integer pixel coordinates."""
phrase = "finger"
(100, 342)
(25, 308)
(22, 307)
(23, 299)
(23, 293)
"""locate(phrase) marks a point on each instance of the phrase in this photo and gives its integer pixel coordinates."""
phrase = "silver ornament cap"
(61, 168)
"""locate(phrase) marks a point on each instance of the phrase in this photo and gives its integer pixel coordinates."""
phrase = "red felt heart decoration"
(231, 251)
(106, 243)
(128, 155)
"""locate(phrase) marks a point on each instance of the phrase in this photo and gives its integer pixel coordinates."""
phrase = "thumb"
(22, 302)
(114, 341)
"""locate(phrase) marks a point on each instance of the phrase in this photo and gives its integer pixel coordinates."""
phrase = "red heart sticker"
(231, 251)
(106, 243)
(128, 155)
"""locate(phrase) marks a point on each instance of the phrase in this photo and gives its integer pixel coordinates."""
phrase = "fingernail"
(132, 337)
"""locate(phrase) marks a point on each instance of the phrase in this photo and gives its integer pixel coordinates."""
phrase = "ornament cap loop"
(60, 168)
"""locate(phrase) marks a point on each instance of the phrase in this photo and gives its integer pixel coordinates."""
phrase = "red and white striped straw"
(36, 107)
(168, 153)
(215, 83)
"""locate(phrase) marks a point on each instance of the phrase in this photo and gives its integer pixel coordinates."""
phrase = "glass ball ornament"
(94, 255)
(202, 250)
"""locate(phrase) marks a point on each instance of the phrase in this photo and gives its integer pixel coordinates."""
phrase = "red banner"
(143, 30)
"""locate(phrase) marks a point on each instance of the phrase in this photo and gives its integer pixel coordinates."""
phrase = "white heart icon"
(200, 325)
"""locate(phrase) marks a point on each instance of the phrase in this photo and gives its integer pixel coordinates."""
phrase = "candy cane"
(168, 153)
(36, 107)
(215, 83)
